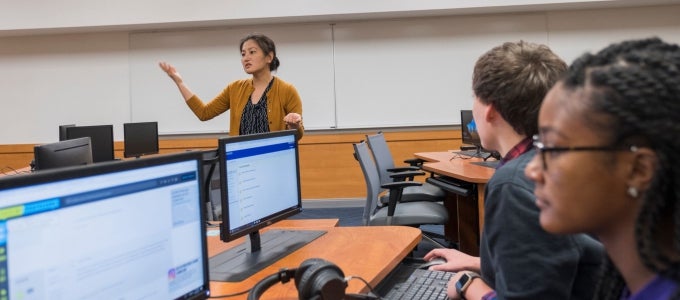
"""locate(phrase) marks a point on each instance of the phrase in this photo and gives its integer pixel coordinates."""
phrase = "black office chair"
(389, 173)
(413, 213)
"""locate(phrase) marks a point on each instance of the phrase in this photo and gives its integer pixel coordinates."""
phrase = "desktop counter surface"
(447, 163)
(370, 252)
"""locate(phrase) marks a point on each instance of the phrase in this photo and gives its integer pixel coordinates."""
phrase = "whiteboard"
(210, 59)
(415, 72)
(369, 74)
(359, 74)
(379, 73)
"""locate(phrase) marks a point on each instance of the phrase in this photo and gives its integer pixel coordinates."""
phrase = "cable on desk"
(371, 292)
(456, 155)
(15, 172)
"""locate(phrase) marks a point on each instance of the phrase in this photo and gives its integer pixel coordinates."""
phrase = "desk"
(368, 251)
(469, 210)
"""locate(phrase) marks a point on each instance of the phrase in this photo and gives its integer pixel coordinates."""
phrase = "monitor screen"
(120, 230)
(62, 131)
(468, 129)
(63, 154)
(140, 138)
(260, 181)
(260, 184)
(101, 137)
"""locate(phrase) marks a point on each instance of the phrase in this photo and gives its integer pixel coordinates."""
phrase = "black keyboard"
(422, 284)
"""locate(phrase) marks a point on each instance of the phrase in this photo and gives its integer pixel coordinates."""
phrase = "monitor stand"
(477, 152)
(258, 252)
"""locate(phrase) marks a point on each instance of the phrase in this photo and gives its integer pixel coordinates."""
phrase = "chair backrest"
(362, 154)
(382, 155)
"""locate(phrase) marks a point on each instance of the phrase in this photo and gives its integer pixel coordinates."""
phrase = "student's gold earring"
(633, 192)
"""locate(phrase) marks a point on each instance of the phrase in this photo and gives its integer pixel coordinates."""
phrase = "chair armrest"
(400, 176)
(396, 190)
(415, 162)
(397, 185)
(402, 169)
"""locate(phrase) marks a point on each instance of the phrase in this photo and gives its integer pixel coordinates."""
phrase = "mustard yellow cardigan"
(282, 99)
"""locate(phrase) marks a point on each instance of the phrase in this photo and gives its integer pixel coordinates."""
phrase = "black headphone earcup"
(320, 278)
(301, 270)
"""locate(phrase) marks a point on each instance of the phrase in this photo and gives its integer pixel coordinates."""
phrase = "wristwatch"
(464, 281)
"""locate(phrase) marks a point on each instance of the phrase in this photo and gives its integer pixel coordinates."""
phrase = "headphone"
(315, 279)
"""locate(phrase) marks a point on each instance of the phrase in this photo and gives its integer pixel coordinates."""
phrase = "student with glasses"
(608, 163)
(518, 259)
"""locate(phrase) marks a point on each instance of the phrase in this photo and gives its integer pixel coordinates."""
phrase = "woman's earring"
(632, 191)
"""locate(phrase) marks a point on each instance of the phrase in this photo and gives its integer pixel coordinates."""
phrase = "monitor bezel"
(225, 233)
(49, 156)
(62, 131)
(128, 130)
(67, 173)
(466, 137)
(110, 154)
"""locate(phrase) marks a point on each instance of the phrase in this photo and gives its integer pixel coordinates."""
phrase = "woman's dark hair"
(635, 87)
(267, 46)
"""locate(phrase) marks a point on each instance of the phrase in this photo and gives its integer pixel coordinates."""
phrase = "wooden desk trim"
(367, 251)
(441, 163)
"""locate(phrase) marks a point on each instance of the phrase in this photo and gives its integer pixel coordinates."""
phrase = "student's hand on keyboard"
(455, 260)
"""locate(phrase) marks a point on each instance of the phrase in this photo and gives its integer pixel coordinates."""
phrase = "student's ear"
(490, 113)
(643, 168)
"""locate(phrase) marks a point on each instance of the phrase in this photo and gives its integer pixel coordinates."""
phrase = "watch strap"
(464, 282)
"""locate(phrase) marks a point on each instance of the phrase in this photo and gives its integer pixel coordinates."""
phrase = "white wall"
(19, 17)
(95, 77)
(62, 79)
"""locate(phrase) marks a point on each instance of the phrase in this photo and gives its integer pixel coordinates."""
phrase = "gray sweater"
(518, 258)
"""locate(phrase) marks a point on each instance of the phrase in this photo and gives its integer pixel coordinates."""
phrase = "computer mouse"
(433, 262)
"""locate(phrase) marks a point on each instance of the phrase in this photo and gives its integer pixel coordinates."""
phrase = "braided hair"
(636, 86)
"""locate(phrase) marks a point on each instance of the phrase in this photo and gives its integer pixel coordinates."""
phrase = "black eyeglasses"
(542, 149)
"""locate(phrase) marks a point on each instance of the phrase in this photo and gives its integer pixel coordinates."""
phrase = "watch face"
(462, 281)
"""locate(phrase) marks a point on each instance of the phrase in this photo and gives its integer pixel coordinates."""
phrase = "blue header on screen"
(234, 154)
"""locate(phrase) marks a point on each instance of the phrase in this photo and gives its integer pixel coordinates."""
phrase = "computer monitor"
(468, 128)
(260, 184)
(140, 138)
(470, 136)
(62, 154)
(119, 230)
(101, 138)
(62, 131)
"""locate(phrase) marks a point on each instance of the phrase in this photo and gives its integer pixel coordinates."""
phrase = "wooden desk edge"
(346, 247)
(441, 163)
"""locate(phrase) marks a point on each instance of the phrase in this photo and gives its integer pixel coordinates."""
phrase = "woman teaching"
(259, 104)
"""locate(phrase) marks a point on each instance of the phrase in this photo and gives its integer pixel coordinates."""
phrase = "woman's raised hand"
(171, 71)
